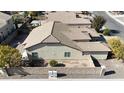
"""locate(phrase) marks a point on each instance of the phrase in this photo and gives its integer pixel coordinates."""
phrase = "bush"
(114, 43)
(53, 63)
(117, 48)
(106, 32)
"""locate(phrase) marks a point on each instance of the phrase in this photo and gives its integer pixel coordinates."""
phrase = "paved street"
(117, 28)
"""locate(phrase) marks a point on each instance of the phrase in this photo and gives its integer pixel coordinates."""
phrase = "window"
(67, 54)
(35, 54)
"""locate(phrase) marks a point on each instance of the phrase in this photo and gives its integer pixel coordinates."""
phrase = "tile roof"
(3, 18)
(67, 17)
(57, 32)
(75, 35)
(43, 34)
(93, 46)
(38, 34)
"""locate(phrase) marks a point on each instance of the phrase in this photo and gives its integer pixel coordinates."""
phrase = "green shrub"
(53, 63)
(106, 32)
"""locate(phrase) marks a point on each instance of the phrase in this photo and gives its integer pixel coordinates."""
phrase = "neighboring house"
(54, 40)
(70, 18)
(6, 26)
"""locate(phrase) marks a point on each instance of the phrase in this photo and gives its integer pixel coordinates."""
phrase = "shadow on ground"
(60, 65)
(61, 74)
(109, 72)
(114, 32)
(95, 61)
(16, 71)
(102, 38)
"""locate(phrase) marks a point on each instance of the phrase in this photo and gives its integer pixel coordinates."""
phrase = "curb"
(117, 20)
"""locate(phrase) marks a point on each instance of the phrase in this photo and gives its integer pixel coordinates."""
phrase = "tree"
(120, 52)
(53, 63)
(106, 31)
(117, 48)
(17, 19)
(97, 22)
(33, 14)
(9, 56)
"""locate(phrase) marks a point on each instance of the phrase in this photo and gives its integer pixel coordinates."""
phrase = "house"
(6, 26)
(54, 40)
(70, 18)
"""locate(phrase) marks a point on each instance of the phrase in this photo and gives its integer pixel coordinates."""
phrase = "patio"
(78, 63)
(86, 61)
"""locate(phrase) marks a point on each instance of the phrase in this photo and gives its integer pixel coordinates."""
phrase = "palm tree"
(97, 22)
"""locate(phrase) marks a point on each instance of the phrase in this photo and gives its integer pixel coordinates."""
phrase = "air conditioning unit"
(52, 74)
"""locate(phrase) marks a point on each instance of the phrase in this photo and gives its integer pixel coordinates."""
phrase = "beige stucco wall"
(55, 51)
(98, 54)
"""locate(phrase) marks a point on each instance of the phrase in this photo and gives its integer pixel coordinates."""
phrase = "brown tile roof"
(93, 46)
(67, 17)
(44, 32)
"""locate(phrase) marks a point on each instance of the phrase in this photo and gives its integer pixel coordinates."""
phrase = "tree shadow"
(109, 72)
(95, 61)
(114, 31)
(16, 71)
(61, 74)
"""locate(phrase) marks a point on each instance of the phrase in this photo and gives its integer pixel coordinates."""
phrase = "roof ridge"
(52, 27)
(53, 23)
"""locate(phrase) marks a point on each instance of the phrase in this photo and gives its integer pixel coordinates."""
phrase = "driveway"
(116, 28)
(114, 69)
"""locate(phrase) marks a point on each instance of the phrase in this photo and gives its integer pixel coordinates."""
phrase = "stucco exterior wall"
(55, 51)
(44, 70)
(98, 55)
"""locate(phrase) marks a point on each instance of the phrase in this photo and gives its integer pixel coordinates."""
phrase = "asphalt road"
(116, 28)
